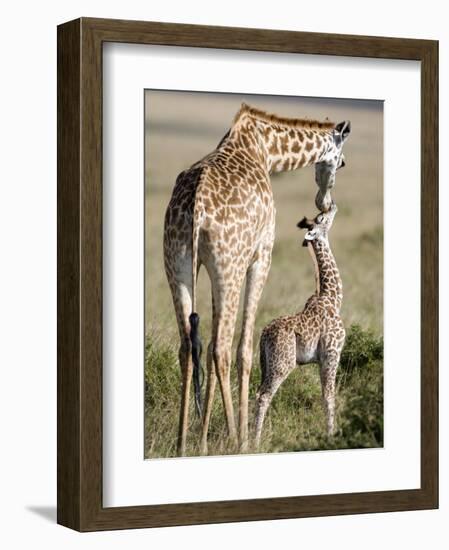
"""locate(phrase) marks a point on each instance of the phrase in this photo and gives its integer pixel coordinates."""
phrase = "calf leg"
(328, 374)
(279, 359)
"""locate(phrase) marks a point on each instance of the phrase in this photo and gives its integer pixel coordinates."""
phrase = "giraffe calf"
(315, 335)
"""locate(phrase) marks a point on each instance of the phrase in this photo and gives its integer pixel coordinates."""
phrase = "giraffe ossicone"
(221, 216)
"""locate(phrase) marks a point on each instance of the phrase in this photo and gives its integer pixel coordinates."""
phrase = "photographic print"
(263, 274)
(242, 303)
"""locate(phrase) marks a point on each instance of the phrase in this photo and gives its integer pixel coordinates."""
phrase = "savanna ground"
(180, 128)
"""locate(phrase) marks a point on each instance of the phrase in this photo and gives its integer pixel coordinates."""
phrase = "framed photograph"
(247, 274)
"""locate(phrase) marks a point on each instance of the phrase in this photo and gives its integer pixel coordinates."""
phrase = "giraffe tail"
(194, 320)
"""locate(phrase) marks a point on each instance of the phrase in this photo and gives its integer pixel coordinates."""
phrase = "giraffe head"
(333, 160)
(319, 227)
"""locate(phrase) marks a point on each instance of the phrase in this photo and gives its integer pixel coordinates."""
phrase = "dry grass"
(180, 129)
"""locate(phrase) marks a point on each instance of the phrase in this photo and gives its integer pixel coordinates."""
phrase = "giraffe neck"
(315, 267)
(282, 144)
(329, 276)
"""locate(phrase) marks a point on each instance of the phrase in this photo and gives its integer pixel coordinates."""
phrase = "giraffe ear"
(342, 130)
(310, 235)
(305, 224)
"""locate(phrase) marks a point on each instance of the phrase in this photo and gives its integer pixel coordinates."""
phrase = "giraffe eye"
(320, 218)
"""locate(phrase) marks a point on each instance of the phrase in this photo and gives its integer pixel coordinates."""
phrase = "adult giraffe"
(221, 215)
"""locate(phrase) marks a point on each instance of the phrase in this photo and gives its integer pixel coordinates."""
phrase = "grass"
(180, 129)
(295, 421)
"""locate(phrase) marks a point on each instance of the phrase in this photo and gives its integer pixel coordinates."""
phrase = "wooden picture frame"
(80, 504)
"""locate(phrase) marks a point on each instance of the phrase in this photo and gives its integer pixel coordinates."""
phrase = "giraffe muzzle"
(323, 202)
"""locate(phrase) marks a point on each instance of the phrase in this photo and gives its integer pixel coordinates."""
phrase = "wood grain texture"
(91, 243)
(429, 271)
(80, 274)
(69, 407)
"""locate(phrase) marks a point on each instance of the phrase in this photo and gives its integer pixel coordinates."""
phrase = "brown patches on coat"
(274, 149)
(309, 146)
(296, 147)
(284, 144)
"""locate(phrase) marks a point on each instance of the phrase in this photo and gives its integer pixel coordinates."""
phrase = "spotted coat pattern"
(221, 215)
(315, 335)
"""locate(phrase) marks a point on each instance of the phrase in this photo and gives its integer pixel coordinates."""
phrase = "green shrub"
(161, 373)
(360, 384)
(361, 347)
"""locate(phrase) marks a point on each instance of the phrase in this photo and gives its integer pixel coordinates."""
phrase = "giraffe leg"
(210, 391)
(226, 302)
(210, 387)
(181, 294)
(185, 360)
(279, 359)
(264, 397)
(328, 373)
(222, 359)
(262, 403)
(255, 281)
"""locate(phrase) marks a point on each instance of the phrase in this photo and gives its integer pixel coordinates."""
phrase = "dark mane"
(282, 121)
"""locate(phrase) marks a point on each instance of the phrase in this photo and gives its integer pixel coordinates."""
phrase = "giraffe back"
(229, 192)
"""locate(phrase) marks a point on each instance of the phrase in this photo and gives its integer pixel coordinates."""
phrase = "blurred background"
(181, 128)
